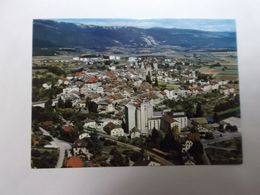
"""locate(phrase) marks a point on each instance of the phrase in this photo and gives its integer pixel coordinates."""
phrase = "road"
(63, 146)
(218, 137)
(159, 159)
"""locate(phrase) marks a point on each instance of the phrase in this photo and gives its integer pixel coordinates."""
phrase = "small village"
(149, 110)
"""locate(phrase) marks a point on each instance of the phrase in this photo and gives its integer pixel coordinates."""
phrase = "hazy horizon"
(216, 25)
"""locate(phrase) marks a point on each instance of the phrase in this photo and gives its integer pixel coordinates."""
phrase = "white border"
(15, 100)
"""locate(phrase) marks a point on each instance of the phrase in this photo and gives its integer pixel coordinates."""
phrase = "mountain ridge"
(49, 33)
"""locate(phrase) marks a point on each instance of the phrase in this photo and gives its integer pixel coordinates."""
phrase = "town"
(99, 110)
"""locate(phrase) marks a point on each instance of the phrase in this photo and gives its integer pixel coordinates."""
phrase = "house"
(112, 68)
(200, 121)
(168, 122)
(206, 88)
(80, 151)
(186, 146)
(117, 132)
(155, 121)
(114, 130)
(233, 121)
(92, 83)
(132, 59)
(104, 106)
(100, 90)
(68, 128)
(112, 57)
(46, 86)
(84, 135)
(181, 118)
(74, 162)
(194, 137)
(90, 123)
(135, 134)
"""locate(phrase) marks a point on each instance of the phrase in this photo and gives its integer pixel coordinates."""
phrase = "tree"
(93, 107)
(216, 117)
(48, 105)
(197, 151)
(56, 70)
(124, 126)
(233, 128)
(122, 139)
(136, 156)
(156, 137)
(199, 112)
(175, 129)
(148, 78)
(97, 145)
(137, 141)
(117, 159)
(88, 101)
(169, 143)
(79, 126)
(156, 82)
(60, 103)
(68, 104)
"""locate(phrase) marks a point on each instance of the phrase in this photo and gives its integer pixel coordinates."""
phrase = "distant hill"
(50, 34)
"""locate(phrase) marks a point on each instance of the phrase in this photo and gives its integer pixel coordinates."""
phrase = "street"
(63, 146)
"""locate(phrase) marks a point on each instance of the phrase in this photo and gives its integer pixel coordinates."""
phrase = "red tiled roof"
(79, 74)
(193, 137)
(63, 79)
(92, 80)
(110, 74)
(68, 128)
(169, 119)
(74, 161)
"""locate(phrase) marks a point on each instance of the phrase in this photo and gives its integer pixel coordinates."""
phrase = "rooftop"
(74, 162)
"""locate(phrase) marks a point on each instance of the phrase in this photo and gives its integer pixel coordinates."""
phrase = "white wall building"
(117, 132)
(135, 134)
(130, 110)
(84, 135)
(181, 118)
(91, 124)
(144, 112)
(154, 123)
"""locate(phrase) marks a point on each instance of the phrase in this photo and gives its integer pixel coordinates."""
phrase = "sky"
(220, 25)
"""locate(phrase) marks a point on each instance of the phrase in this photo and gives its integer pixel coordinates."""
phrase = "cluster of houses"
(127, 99)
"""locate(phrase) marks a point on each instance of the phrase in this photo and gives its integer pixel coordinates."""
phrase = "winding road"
(63, 146)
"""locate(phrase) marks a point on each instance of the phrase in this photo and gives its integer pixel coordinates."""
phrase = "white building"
(155, 121)
(117, 132)
(46, 86)
(100, 90)
(234, 121)
(84, 135)
(132, 59)
(181, 118)
(79, 151)
(113, 68)
(114, 57)
(130, 110)
(143, 113)
(135, 134)
(186, 146)
(91, 124)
